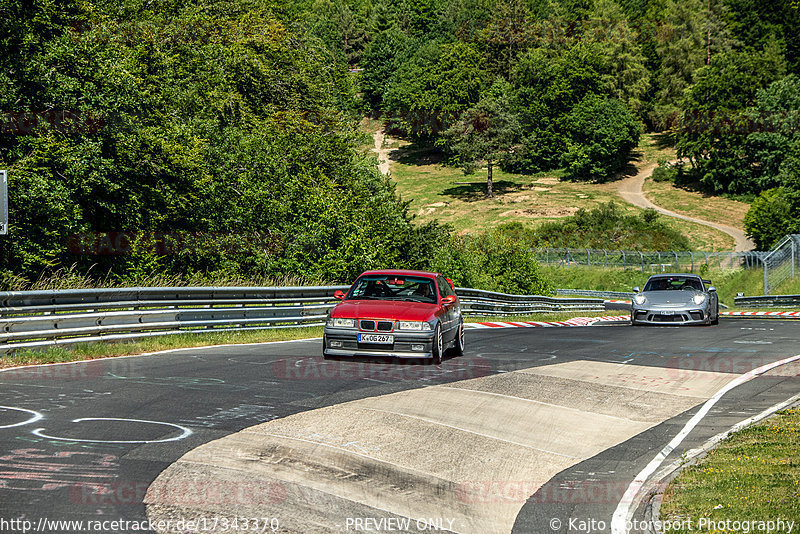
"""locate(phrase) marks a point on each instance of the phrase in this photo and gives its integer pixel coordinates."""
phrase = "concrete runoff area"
(417, 455)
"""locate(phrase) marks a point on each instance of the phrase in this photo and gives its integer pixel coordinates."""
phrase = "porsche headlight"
(341, 323)
(414, 325)
(639, 299)
(699, 299)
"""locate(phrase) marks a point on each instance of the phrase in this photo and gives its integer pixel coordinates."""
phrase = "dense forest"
(220, 136)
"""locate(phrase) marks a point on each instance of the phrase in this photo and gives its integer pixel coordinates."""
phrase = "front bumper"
(347, 345)
(673, 316)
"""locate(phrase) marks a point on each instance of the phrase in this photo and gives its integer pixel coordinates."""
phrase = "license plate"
(376, 338)
(666, 313)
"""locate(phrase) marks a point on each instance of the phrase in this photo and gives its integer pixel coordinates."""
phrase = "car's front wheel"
(715, 321)
(324, 345)
(437, 348)
(459, 348)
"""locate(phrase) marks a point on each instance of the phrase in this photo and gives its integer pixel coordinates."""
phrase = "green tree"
(488, 131)
(602, 134)
(770, 218)
(624, 74)
(507, 34)
(380, 61)
(714, 131)
(432, 87)
(682, 47)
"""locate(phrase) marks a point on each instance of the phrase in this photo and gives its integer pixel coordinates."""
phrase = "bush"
(604, 227)
(491, 261)
(665, 173)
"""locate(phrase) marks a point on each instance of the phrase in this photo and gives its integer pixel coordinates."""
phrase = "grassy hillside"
(439, 192)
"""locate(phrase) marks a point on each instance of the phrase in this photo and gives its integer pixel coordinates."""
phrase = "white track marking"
(621, 515)
(36, 416)
(185, 431)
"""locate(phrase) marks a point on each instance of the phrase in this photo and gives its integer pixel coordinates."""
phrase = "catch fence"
(648, 261)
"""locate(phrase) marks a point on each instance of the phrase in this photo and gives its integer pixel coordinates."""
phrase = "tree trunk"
(489, 191)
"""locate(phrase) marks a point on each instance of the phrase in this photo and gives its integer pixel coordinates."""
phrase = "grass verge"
(753, 475)
(96, 350)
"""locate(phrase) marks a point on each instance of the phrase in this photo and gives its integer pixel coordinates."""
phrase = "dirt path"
(383, 153)
(630, 189)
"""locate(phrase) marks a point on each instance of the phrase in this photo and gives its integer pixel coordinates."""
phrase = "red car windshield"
(390, 287)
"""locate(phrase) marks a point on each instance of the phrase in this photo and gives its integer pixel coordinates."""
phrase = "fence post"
(588, 259)
(766, 287)
(691, 258)
(641, 257)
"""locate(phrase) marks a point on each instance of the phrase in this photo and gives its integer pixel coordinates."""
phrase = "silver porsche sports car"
(675, 299)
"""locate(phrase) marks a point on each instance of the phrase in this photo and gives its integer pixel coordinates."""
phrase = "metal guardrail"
(31, 319)
(768, 301)
(596, 294)
(478, 302)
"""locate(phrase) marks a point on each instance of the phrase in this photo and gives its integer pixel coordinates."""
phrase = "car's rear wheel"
(437, 348)
(459, 348)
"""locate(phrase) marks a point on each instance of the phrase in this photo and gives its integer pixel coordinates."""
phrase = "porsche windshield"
(668, 283)
(390, 287)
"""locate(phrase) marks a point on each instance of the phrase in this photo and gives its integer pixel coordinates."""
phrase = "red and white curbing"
(590, 321)
(761, 313)
(575, 321)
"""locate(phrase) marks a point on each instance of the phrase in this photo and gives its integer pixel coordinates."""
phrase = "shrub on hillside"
(604, 227)
(491, 261)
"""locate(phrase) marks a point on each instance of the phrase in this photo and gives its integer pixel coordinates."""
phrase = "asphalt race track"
(533, 430)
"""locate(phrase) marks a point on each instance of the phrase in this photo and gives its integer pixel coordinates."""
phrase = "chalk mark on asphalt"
(36, 416)
(185, 431)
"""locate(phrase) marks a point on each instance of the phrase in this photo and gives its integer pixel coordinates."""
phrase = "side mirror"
(636, 289)
(451, 283)
(338, 294)
(449, 299)
(712, 289)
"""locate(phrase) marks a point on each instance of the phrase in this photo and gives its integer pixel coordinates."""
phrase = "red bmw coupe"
(395, 313)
